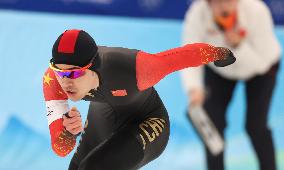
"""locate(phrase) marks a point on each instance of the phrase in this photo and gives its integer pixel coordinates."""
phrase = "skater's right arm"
(62, 141)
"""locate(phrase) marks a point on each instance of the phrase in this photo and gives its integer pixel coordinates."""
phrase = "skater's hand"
(196, 97)
(73, 121)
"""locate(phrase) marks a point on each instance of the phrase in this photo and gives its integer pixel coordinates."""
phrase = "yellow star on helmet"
(47, 79)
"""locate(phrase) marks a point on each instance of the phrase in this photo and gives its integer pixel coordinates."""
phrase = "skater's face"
(76, 81)
(223, 7)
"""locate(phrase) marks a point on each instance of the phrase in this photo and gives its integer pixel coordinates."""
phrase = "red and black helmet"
(74, 47)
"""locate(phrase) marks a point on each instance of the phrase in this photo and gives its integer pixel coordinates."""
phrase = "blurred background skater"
(246, 27)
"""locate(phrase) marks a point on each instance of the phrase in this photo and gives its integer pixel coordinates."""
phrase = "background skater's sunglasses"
(73, 73)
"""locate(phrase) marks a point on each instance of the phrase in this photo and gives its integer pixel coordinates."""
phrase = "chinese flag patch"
(119, 93)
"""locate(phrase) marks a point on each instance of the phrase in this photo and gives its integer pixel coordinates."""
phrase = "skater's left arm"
(151, 68)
